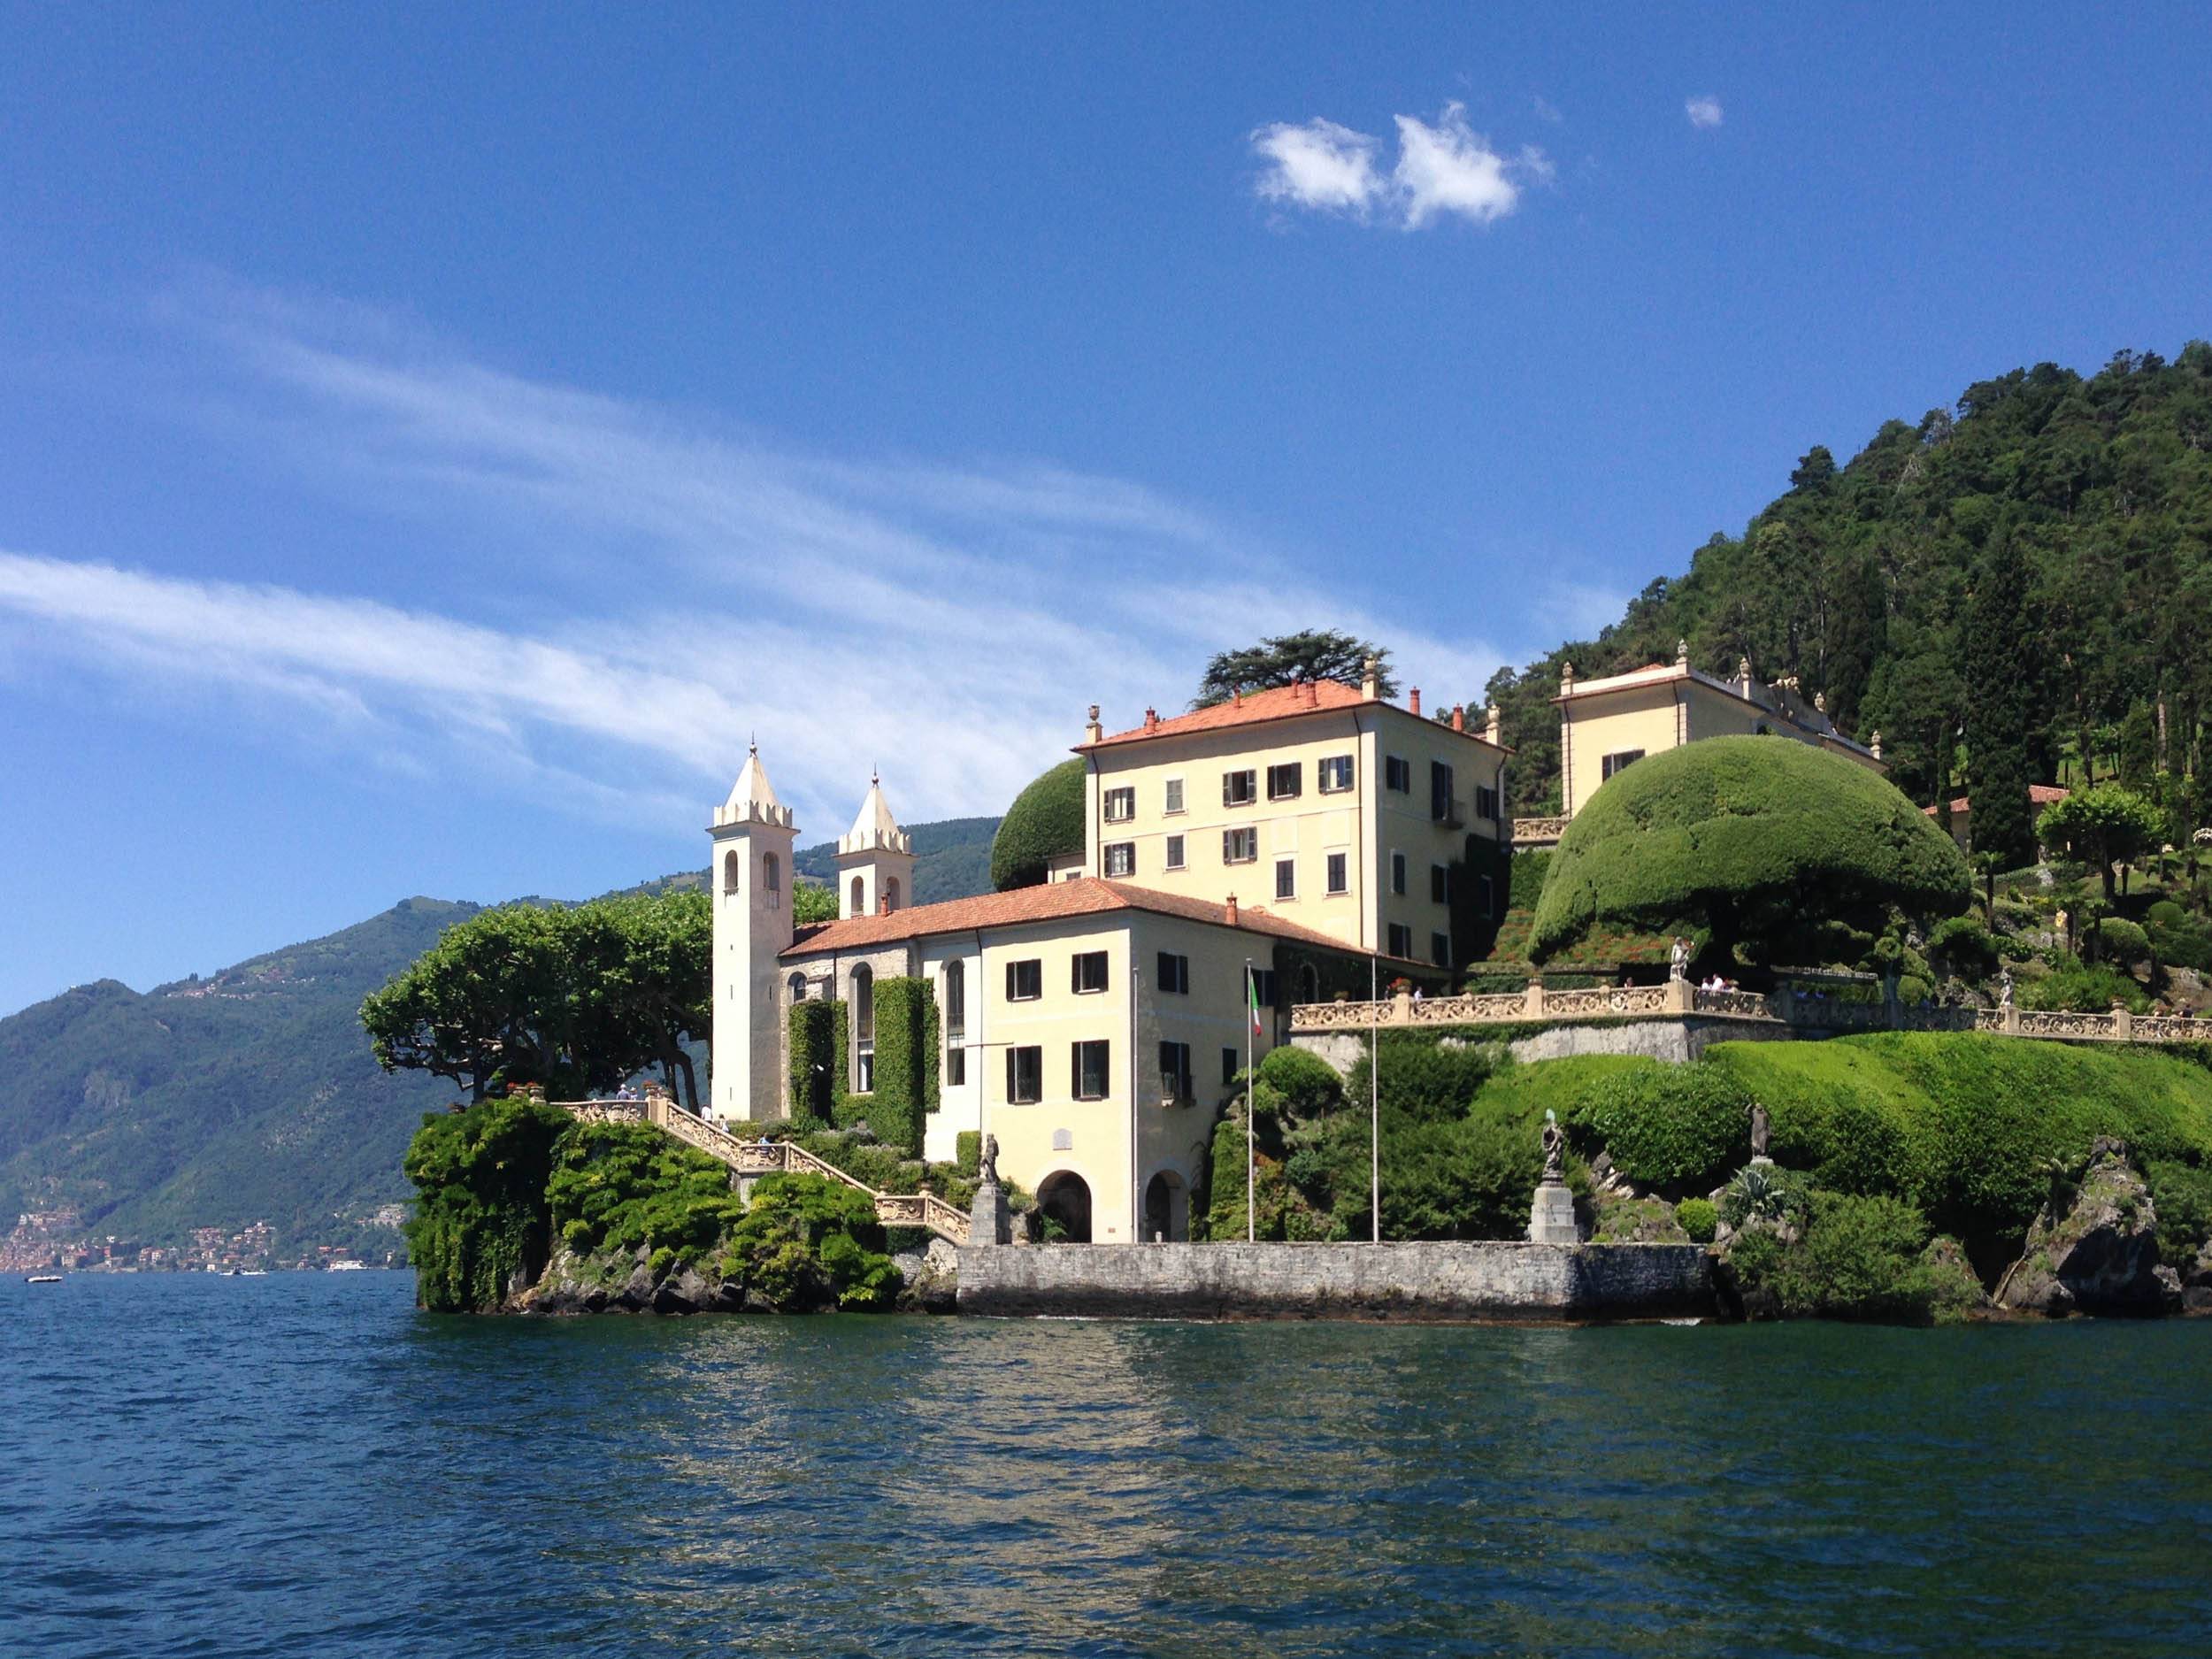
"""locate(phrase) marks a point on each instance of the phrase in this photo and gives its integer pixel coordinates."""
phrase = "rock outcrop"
(2094, 1246)
(933, 1278)
(599, 1284)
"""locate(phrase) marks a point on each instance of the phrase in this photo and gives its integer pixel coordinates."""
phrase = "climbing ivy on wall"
(896, 1110)
(814, 1057)
(932, 1047)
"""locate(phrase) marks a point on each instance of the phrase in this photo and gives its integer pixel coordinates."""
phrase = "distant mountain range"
(250, 1095)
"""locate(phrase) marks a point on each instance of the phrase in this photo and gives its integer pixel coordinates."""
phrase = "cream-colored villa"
(1605, 724)
(1096, 1024)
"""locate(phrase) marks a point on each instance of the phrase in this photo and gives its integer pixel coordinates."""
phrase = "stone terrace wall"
(1434, 1282)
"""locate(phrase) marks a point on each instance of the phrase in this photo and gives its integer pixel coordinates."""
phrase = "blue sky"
(429, 447)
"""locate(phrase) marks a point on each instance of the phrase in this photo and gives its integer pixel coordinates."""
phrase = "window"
(859, 905)
(1398, 873)
(1174, 973)
(956, 1023)
(955, 1067)
(1174, 802)
(1263, 983)
(1121, 858)
(1286, 782)
(1398, 774)
(1485, 801)
(1089, 972)
(1440, 885)
(890, 895)
(1336, 774)
(1440, 949)
(1239, 846)
(1175, 1080)
(1612, 764)
(1087, 1065)
(864, 1028)
(771, 877)
(1443, 808)
(1025, 1076)
(1401, 939)
(1489, 898)
(1121, 805)
(1229, 1067)
(1339, 877)
(1024, 981)
(1285, 878)
(798, 987)
(732, 866)
(1175, 852)
(1239, 789)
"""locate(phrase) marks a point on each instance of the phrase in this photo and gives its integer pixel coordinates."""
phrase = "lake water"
(305, 1464)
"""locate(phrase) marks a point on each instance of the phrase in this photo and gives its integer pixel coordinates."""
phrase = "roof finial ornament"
(752, 743)
(1682, 653)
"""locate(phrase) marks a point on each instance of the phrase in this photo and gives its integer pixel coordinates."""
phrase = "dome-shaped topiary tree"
(1746, 840)
(1045, 822)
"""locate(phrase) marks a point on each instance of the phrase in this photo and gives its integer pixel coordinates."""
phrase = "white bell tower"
(875, 860)
(751, 879)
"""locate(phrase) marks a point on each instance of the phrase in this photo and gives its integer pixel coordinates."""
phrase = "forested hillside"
(2029, 566)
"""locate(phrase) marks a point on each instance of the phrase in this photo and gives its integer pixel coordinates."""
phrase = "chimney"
(1413, 700)
(883, 904)
(1459, 716)
(1231, 907)
(1236, 698)
(1313, 694)
(1493, 727)
(1093, 732)
(1151, 719)
(1369, 679)
(1566, 678)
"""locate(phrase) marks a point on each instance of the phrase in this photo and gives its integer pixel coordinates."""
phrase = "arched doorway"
(1166, 1209)
(1064, 1199)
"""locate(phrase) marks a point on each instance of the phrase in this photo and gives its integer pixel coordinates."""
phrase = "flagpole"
(1251, 1142)
(1374, 1091)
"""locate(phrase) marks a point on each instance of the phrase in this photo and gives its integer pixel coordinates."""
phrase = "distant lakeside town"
(51, 1241)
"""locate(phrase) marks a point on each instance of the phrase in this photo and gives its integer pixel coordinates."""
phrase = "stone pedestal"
(1552, 1217)
(990, 1221)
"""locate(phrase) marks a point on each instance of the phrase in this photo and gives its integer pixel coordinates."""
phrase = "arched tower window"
(733, 868)
(891, 893)
(771, 879)
(860, 891)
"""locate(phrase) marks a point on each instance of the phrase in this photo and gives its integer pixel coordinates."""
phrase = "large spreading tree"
(575, 998)
(2106, 826)
(1315, 654)
(1749, 844)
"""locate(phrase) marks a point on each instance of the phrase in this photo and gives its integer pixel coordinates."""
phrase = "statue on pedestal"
(986, 1168)
(1760, 1131)
(2004, 989)
(1555, 1150)
(1678, 959)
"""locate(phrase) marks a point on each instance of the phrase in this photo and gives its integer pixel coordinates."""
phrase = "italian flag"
(1252, 995)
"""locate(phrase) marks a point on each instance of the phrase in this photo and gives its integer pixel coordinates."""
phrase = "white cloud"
(625, 596)
(1547, 111)
(1320, 165)
(1443, 168)
(1703, 110)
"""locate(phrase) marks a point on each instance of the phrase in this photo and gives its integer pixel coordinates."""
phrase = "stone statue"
(2004, 989)
(987, 1169)
(1555, 1150)
(1678, 959)
(1760, 1130)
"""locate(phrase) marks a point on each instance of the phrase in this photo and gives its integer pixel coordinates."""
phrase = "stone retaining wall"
(1442, 1282)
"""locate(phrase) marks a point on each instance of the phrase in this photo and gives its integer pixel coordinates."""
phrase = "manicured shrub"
(967, 1152)
(2083, 988)
(2123, 941)
(1671, 1126)
(1526, 879)
(1858, 1259)
(2180, 939)
(810, 1242)
(618, 1186)
(1421, 1077)
(1964, 946)
(816, 1060)
(1744, 839)
(904, 1060)
(1045, 822)
(1296, 1087)
(1697, 1217)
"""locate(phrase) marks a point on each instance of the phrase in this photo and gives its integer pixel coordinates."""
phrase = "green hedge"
(1858, 1257)
(815, 1059)
(619, 1186)
(905, 1065)
(1743, 837)
(480, 1217)
(1525, 884)
(1045, 822)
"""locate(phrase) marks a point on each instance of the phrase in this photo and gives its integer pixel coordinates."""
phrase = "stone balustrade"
(1677, 999)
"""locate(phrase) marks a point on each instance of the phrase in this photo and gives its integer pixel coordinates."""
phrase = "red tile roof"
(1051, 902)
(1278, 702)
(2039, 795)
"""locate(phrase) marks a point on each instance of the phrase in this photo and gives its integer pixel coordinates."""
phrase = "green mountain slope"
(250, 1095)
(1858, 581)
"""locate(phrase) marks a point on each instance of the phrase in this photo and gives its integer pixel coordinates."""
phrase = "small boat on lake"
(42, 1278)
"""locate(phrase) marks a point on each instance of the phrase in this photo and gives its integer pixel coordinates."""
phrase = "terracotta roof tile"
(1278, 702)
(1050, 902)
(2039, 795)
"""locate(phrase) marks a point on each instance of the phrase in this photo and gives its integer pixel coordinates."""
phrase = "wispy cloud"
(1443, 168)
(1703, 110)
(684, 587)
(1547, 111)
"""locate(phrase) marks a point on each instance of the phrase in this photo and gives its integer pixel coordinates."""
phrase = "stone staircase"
(751, 1159)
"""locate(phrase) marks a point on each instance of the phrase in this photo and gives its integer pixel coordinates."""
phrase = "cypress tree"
(1999, 692)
